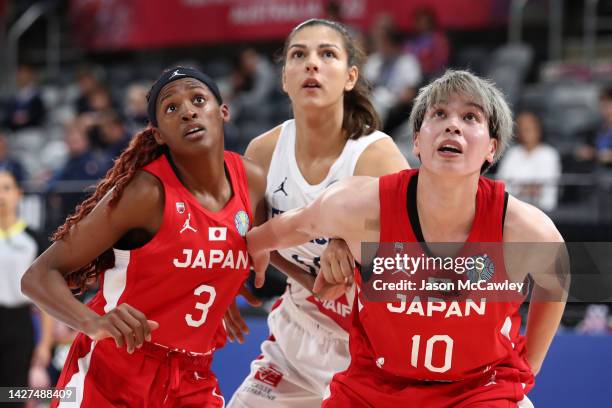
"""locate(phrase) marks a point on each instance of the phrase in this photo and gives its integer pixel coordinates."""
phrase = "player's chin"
(453, 169)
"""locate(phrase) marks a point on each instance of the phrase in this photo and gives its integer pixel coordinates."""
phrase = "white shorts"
(296, 364)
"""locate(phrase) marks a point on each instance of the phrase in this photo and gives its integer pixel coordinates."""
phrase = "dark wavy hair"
(360, 117)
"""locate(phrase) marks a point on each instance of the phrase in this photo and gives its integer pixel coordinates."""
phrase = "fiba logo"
(241, 220)
(484, 268)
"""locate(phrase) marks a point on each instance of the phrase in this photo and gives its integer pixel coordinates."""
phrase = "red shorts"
(153, 376)
(361, 386)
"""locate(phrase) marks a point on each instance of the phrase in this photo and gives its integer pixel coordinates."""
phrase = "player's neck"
(7, 221)
(319, 134)
(446, 207)
(204, 175)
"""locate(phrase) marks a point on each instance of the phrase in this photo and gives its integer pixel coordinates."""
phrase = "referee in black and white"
(19, 246)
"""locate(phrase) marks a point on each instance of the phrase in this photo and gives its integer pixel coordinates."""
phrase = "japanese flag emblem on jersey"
(180, 207)
(217, 233)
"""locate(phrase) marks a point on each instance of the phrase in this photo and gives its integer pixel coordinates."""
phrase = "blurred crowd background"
(74, 76)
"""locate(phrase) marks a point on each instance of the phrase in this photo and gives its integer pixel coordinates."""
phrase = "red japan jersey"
(187, 275)
(433, 338)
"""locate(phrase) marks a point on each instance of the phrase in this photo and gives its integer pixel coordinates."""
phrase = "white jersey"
(287, 189)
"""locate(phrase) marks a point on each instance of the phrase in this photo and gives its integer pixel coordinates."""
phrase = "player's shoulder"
(144, 190)
(261, 148)
(381, 157)
(527, 223)
(256, 176)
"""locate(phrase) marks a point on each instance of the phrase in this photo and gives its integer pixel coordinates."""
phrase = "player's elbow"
(29, 281)
(32, 280)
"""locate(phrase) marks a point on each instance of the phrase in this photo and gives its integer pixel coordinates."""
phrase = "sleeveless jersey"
(188, 274)
(430, 338)
(287, 189)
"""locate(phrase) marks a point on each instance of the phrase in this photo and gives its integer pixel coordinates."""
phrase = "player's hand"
(235, 326)
(328, 291)
(126, 325)
(337, 263)
(260, 259)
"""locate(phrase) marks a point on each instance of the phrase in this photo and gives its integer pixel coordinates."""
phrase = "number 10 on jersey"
(429, 346)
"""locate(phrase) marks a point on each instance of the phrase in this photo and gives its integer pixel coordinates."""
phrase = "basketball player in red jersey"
(461, 125)
(164, 232)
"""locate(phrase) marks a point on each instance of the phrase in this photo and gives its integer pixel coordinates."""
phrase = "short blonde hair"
(481, 91)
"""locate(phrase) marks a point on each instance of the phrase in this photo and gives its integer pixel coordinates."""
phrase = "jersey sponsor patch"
(241, 220)
(269, 375)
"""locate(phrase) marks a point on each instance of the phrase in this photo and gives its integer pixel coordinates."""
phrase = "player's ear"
(492, 150)
(157, 136)
(353, 76)
(225, 112)
(416, 150)
(284, 80)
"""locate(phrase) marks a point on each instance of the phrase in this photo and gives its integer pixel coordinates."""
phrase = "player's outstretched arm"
(544, 257)
(140, 207)
(340, 212)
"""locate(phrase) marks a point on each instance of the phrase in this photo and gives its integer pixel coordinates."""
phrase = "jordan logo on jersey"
(186, 225)
(399, 249)
(281, 188)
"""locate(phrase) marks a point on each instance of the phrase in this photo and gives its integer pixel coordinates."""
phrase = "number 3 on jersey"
(201, 306)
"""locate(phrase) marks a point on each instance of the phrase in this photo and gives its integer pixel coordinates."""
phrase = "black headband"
(173, 75)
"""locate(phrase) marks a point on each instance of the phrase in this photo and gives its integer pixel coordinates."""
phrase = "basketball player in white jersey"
(332, 136)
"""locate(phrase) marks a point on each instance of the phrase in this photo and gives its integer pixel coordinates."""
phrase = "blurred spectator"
(595, 320)
(531, 168)
(394, 75)
(82, 163)
(9, 163)
(25, 109)
(19, 246)
(100, 101)
(603, 140)
(87, 82)
(253, 82)
(82, 169)
(115, 137)
(135, 108)
(429, 43)
(599, 147)
(333, 12)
